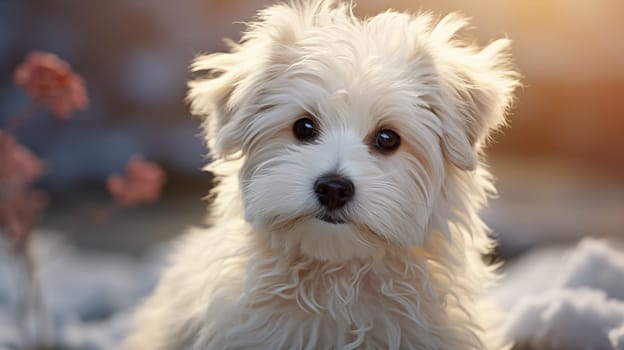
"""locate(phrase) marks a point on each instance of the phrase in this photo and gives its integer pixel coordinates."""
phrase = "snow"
(594, 264)
(107, 334)
(8, 331)
(565, 319)
(616, 336)
(556, 297)
(89, 296)
(566, 299)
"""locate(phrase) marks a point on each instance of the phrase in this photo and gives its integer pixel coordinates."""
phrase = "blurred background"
(559, 167)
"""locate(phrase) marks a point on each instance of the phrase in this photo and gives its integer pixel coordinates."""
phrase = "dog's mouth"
(331, 219)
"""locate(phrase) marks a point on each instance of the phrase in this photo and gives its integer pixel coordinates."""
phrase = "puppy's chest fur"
(392, 303)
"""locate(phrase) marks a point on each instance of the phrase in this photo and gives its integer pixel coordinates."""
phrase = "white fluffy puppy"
(347, 211)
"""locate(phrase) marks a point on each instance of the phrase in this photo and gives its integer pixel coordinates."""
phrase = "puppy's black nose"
(333, 191)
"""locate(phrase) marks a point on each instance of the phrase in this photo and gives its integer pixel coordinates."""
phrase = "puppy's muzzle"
(334, 191)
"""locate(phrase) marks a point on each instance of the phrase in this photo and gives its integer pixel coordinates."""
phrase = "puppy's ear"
(228, 95)
(216, 96)
(475, 93)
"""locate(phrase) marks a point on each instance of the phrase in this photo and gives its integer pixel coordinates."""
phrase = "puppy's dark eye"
(305, 129)
(387, 141)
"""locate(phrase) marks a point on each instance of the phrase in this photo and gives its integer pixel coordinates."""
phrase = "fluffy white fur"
(405, 271)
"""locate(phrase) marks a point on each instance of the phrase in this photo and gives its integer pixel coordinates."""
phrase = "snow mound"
(104, 335)
(566, 319)
(616, 336)
(89, 296)
(566, 301)
(593, 264)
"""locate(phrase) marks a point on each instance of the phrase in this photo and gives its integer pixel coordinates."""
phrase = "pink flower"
(142, 183)
(51, 81)
(18, 166)
(20, 212)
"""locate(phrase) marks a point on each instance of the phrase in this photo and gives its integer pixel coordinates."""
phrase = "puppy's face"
(346, 154)
(348, 128)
